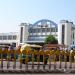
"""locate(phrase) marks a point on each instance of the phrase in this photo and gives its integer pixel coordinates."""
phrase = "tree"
(50, 39)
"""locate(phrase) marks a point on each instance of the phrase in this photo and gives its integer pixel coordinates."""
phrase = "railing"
(37, 60)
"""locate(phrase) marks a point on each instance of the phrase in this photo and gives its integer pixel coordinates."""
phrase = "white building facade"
(66, 33)
(9, 38)
(36, 33)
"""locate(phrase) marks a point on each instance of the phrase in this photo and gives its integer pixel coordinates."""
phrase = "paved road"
(18, 68)
(37, 74)
(11, 64)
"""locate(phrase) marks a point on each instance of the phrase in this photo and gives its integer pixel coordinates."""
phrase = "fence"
(37, 60)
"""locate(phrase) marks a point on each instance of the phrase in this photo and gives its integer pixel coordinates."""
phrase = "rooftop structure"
(37, 32)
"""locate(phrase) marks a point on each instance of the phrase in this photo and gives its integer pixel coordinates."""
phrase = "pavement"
(37, 74)
(43, 68)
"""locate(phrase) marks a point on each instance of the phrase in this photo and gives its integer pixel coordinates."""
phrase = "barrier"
(48, 59)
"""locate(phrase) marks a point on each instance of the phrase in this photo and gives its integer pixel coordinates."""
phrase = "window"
(10, 37)
(56, 30)
(13, 44)
(48, 29)
(43, 29)
(14, 37)
(73, 42)
(63, 33)
(53, 29)
(72, 28)
(34, 30)
(21, 36)
(73, 35)
(0, 37)
(39, 30)
(4, 37)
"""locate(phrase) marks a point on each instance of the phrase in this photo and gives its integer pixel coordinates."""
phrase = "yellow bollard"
(57, 55)
(74, 58)
(54, 60)
(44, 61)
(27, 58)
(0, 55)
(47, 53)
(32, 60)
(38, 60)
(8, 58)
(49, 61)
(60, 59)
(53, 54)
(20, 60)
(15, 52)
(71, 58)
(1, 58)
(65, 59)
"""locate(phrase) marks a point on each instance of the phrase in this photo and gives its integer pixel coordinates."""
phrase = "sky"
(14, 12)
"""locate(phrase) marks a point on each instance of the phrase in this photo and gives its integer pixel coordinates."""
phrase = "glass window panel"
(52, 29)
(0, 37)
(4, 37)
(39, 30)
(10, 37)
(43, 29)
(14, 37)
(48, 29)
(21, 37)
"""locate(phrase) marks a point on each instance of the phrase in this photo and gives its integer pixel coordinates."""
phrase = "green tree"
(50, 39)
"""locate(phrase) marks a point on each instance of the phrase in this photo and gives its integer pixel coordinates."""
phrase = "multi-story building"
(66, 33)
(37, 32)
(9, 38)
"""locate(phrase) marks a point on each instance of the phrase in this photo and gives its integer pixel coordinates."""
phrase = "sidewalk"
(37, 71)
(36, 63)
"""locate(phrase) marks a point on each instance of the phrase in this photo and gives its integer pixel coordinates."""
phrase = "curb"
(36, 72)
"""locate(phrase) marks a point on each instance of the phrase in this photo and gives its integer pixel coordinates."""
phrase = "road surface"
(42, 68)
(37, 74)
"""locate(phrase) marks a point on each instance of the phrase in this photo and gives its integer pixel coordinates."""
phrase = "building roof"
(45, 20)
